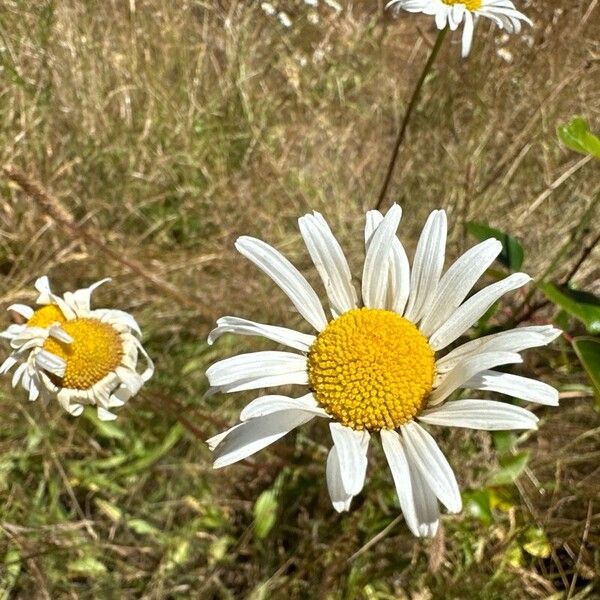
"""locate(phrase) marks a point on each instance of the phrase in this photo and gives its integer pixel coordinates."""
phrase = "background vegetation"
(164, 130)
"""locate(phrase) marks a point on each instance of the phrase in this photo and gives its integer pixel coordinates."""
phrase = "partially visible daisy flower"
(379, 365)
(78, 355)
(451, 13)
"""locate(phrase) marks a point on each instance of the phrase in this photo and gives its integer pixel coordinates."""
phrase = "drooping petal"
(286, 276)
(352, 456)
(473, 309)
(480, 414)
(340, 499)
(423, 452)
(281, 335)
(22, 309)
(51, 363)
(330, 262)
(418, 503)
(467, 34)
(249, 437)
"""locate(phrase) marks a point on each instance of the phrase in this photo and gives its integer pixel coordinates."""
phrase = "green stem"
(411, 106)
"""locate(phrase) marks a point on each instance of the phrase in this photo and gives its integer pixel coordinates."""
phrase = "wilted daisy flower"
(451, 13)
(378, 366)
(81, 356)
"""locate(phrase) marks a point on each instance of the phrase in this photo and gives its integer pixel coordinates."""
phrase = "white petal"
(467, 369)
(427, 265)
(394, 452)
(473, 309)
(8, 364)
(340, 499)
(330, 262)
(12, 331)
(57, 332)
(287, 277)
(426, 504)
(22, 309)
(399, 269)
(377, 260)
(105, 415)
(423, 452)
(18, 374)
(51, 363)
(467, 35)
(281, 335)
(352, 456)
(80, 299)
(524, 388)
(42, 285)
(265, 405)
(513, 340)
(117, 317)
(457, 283)
(249, 437)
(480, 414)
(256, 370)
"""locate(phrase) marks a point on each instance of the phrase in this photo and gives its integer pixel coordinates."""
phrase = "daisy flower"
(78, 355)
(380, 366)
(451, 13)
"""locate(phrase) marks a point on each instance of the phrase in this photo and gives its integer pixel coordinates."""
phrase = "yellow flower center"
(46, 316)
(472, 5)
(371, 369)
(96, 350)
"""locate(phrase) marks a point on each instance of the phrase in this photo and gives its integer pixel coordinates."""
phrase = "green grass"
(169, 130)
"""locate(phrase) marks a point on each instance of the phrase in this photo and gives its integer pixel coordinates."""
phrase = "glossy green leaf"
(577, 136)
(512, 252)
(510, 468)
(581, 305)
(588, 351)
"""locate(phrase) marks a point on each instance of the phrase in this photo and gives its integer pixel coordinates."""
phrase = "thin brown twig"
(52, 207)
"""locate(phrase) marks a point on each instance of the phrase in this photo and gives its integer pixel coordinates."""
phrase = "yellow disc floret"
(371, 369)
(46, 316)
(96, 350)
(470, 4)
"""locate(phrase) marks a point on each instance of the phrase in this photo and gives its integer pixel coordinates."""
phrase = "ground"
(162, 131)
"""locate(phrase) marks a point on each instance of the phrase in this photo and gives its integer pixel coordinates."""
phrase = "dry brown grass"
(167, 130)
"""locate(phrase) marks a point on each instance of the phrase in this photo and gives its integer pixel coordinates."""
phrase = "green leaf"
(537, 543)
(265, 513)
(510, 468)
(477, 503)
(584, 306)
(86, 567)
(104, 428)
(512, 252)
(577, 136)
(142, 527)
(588, 352)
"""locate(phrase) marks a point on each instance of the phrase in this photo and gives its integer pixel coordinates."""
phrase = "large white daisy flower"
(451, 13)
(79, 355)
(378, 366)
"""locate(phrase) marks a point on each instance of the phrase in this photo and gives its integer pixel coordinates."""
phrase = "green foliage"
(511, 467)
(577, 136)
(512, 254)
(582, 305)
(588, 351)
